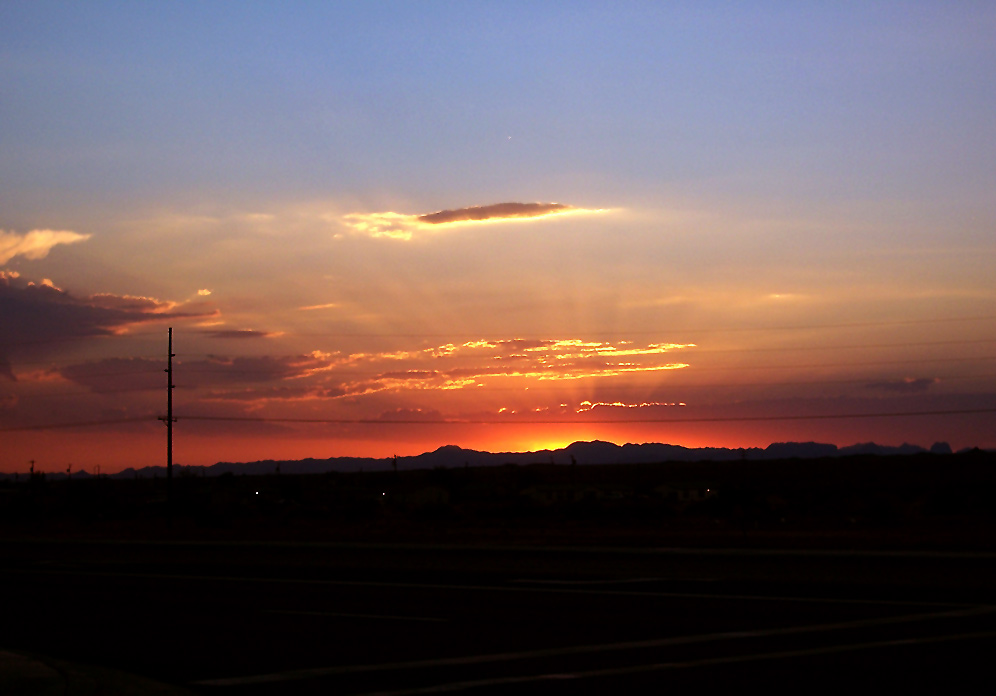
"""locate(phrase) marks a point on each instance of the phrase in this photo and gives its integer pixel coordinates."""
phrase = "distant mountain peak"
(450, 449)
(591, 444)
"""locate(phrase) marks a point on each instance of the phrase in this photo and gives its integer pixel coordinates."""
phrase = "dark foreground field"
(916, 502)
(282, 618)
(844, 575)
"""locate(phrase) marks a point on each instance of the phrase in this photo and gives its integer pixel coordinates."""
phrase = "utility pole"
(169, 425)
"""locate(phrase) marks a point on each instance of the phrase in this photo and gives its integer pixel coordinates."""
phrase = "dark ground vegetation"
(925, 501)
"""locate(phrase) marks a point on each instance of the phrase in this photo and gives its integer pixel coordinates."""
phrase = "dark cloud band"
(490, 212)
(240, 333)
(37, 317)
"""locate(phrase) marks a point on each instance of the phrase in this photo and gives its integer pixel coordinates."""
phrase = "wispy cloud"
(908, 385)
(484, 363)
(35, 244)
(586, 406)
(390, 225)
(411, 414)
(116, 374)
(257, 396)
(251, 369)
(542, 351)
(131, 303)
(616, 410)
(242, 333)
(498, 211)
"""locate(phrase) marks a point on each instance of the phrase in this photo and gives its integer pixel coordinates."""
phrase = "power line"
(55, 364)
(78, 424)
(92, 392)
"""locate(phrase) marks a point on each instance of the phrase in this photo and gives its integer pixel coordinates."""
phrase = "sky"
(377, 228)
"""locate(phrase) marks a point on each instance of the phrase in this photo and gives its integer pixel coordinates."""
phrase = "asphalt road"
(238, 619)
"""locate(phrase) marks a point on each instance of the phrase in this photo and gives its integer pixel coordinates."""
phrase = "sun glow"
(548, 442)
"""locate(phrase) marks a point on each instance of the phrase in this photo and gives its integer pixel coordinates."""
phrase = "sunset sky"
(377, 228)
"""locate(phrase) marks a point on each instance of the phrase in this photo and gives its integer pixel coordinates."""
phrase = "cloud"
(242, 333)
(133, 374)
(257, 396)
(117, 374)
(492, 212)
(541, 351)
(130, 303)
(446, 367)
(620, 407)
(908, 385)
(411, 414)
(250, 369)
(479, 363)
(390, 225)
(38, 316)
(35, 244)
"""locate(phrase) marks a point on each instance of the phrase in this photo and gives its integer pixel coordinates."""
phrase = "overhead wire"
(76, 424)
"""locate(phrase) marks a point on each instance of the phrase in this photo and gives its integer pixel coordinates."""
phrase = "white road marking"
(292, 675)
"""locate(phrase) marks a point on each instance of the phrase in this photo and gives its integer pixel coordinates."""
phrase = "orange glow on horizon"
(205, 444)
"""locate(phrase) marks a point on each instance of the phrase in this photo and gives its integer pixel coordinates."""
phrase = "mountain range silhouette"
(580, 453)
